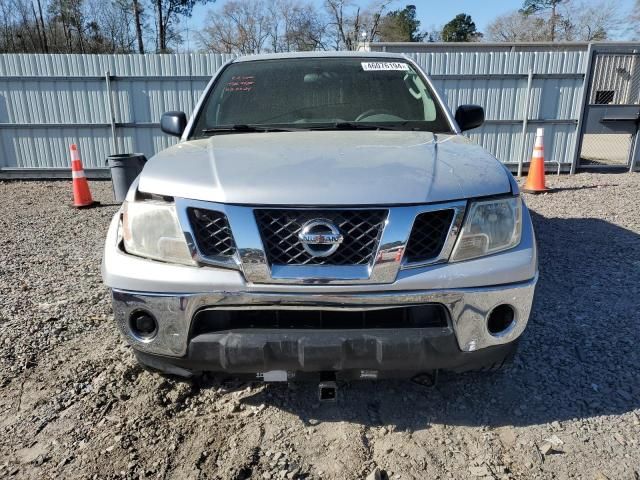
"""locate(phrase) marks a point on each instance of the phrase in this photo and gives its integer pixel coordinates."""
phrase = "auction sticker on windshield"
(371, 66)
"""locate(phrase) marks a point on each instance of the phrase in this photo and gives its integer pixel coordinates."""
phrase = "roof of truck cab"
(275, 56)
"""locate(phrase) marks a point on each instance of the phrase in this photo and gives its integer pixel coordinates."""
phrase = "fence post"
(635, 89)
(4, 161)
(635, 152)
(112, 117)
(586, 85)
(191, 106)
(525, 122)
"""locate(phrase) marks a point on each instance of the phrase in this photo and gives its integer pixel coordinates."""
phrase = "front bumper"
(468, 291)
(242, 351)
(351, 355)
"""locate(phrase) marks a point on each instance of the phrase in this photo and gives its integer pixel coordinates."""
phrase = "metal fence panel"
(45, 147)
(609, 122)
(498, 81)
(49, 101)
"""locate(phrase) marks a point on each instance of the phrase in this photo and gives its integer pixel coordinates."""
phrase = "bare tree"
(45, 45)
(15, 27)
(168, 13)
(548, 7)
(256, 26)
(26, 28)
(112, 27)
(69, 15)
(296, 26)
(590, 21)
(349, 23)
(66, 26)
(241, 26)
(137, 18)
(572, 20)
(516, 27)
(634, 21)
(7, 37)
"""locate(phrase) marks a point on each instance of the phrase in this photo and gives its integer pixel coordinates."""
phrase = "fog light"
(143, 325)
(500, 319)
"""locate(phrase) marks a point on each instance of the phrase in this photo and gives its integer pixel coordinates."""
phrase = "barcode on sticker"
(371, 66)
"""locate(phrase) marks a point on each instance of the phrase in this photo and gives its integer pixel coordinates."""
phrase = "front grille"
(212, 232)
(423, 316)
(361, 230)
(428, 235)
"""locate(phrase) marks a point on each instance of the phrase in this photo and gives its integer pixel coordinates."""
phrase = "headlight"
(491, 226)
(151, 229)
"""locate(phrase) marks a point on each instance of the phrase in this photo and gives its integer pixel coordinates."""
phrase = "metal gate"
(612, 109)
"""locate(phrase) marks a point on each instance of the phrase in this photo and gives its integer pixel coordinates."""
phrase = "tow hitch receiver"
(328, 391)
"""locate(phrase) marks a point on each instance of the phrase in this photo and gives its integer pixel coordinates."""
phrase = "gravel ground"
(74, 404)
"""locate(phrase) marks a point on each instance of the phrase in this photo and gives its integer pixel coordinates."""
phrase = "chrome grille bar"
(383, 266)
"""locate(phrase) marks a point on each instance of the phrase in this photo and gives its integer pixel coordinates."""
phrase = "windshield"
(319, 93)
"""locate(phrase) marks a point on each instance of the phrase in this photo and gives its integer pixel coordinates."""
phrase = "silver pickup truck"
(322, 213)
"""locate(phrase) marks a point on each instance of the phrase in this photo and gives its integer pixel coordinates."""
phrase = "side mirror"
(469, 117)
(173, 123)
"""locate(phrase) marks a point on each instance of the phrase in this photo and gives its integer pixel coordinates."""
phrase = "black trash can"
(125, 167)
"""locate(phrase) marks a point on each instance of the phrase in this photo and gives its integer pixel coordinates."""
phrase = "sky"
(431, 13)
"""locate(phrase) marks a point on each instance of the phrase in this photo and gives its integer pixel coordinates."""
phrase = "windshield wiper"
(407, 125)
(245, 128)
(357, 126)
(242, 128)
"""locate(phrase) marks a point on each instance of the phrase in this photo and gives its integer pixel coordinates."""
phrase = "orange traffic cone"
(81, 193)
(535, 177)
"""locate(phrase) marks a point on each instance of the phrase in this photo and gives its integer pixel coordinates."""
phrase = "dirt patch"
(74, 403)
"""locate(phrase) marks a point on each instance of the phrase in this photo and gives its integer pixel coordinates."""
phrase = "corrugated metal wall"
(498, 81)
(50, 101)
(618, 74)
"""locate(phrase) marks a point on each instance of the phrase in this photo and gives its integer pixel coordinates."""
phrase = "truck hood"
(326, 168)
